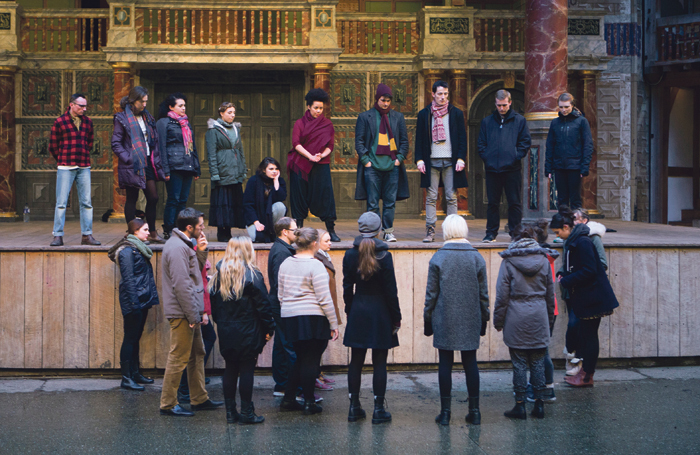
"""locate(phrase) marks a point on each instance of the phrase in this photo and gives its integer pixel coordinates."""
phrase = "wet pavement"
(629, 411)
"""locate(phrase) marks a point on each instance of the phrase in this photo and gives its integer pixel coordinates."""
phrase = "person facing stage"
(308, 163)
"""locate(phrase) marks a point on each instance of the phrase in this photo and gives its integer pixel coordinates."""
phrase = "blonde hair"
(454, 227)
(230, 273)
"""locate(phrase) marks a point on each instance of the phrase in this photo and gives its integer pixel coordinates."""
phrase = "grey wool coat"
(456, 297)
(524, 306)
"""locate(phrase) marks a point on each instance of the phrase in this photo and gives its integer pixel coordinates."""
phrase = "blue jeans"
(283, 359)
(178, 188)
(382, 185)
(64, 182)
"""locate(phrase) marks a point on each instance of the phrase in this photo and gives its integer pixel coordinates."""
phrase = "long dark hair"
(266, 162)
(135, 94)
(368, 264)
(564, 217)
(168, 102)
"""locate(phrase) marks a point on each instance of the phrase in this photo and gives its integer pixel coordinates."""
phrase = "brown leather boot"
(153, 237)
(89, 240)
(57, 241)
(582, 379)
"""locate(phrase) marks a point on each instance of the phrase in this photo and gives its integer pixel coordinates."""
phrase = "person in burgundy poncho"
(308, 163)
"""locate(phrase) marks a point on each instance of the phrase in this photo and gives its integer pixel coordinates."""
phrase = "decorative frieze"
(584, 27)
(449, 25)
(348, 93)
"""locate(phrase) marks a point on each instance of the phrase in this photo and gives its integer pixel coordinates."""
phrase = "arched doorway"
(483, 106)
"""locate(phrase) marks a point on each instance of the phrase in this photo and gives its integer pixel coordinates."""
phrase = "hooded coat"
(569, 144)
(524, 306)
(591, 295)
(243, 323)
(172, 148)
(137, 287)
(226, 160)
(372, 305)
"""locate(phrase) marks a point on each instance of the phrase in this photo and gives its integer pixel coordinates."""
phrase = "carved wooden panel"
(348, 94)
(405, 89)
(41, 93)
(98, 87)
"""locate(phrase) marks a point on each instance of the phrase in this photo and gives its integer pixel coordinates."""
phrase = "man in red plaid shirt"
(71, 143)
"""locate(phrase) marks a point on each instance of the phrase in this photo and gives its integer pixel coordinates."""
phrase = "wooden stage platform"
(59, 307)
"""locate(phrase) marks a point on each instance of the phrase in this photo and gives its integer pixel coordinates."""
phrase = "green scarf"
(142, 247)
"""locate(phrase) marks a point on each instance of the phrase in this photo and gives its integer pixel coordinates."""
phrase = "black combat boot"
(247, 415)
(538, 410)
(356, 412)
(518, 412)
(474, 416)
(380, 414)
(445, 411)
(232, 415)
(330, 227)
(136, 374)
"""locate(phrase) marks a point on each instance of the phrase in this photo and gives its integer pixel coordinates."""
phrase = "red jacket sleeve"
(54, 140)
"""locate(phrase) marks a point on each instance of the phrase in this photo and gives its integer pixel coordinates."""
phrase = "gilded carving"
(584, 27)
(348, 94)
(405, 88)
(324, 18)
(41, 93)
(98, 86)
(5, 21)
(449, 26)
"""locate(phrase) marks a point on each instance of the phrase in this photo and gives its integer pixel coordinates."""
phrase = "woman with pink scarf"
(179, 156)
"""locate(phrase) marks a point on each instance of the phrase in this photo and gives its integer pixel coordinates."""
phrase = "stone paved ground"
(630, 411)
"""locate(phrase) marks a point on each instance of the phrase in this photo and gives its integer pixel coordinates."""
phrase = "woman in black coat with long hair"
(137, 294)
(374, 317)
(243, 316)
(591, 296)
(263, 201)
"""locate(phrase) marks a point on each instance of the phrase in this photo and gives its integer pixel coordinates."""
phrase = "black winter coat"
(137, 288)
(372, 306)
(591, 295)
(569, 144)
(172, 148)
(258, 208)
(122, 146)
(458, 139)
(503, 142)
(242, 324)
(279, 251)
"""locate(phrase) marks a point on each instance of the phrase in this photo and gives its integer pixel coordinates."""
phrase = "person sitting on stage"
(381, 142)
(308, 163)
(263, 201)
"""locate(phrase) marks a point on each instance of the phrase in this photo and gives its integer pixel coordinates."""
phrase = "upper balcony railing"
(503, 33)
(63, 31)
(366, 34)
(678, 43)
(198, 26)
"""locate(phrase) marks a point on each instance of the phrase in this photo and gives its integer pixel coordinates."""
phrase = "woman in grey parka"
(456, 312)
(524, 311)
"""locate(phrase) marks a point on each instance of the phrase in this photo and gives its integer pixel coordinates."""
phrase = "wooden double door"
(265, 110)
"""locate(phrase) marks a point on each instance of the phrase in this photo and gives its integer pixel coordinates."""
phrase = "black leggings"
(132, 195)
(306, 368)
(589, 343)
(471, 370)
(238, 368)
(357, 360)
(134, 323)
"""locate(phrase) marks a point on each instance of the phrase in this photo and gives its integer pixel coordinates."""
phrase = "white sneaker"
(569, 358)
(576, 367)
(389, 237)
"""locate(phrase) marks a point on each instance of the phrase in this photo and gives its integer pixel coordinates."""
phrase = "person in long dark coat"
(456, 312)
(263, 201)
(137, 294)
(373, 313)
(590, 294)
(309, 164)
(243, 315)
(135, 143)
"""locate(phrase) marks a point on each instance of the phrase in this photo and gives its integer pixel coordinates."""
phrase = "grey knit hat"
(369, 224)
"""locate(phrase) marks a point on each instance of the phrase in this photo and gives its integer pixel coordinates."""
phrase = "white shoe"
(389, 237)
(576, 367)
(569, 358)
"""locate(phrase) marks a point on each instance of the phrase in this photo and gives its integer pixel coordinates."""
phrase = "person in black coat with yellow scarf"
(591, 296)
(374, 317)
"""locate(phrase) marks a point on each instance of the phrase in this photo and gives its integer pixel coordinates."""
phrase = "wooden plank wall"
(60, 310)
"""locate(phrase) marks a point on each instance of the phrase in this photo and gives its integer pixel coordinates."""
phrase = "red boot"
(582, 379)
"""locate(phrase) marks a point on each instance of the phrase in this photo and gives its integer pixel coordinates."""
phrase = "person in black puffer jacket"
(240, 307)
(137, 293)
(591, 296)
(569, 152)
(178, 153)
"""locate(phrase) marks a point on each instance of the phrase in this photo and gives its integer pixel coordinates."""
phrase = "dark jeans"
(572, 332)
(132, 196)
(568, 184)
(209, 339)
(382, 185)
(305, 369)
(178, 188)
(133, 328)
(237, 368)
(471, 370)
(496, 183)
(379, 375)
(283, 358)
(590, 345)
(524, 359)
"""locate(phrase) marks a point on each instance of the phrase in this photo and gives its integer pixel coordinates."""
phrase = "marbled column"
(429, 78)
(459, 98)
(322, 80)
(8, 202)
(589, 186)
(545, 54)
(123, 82)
